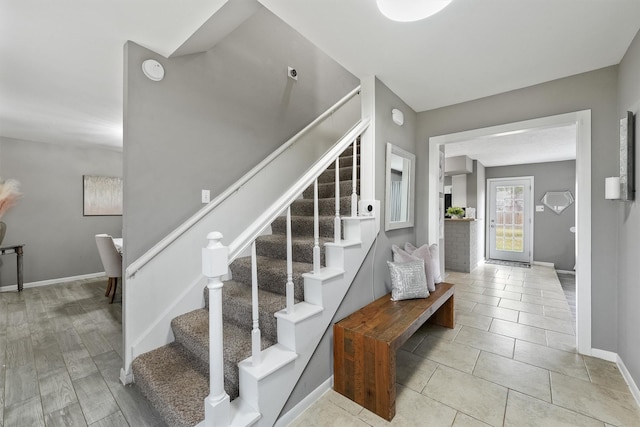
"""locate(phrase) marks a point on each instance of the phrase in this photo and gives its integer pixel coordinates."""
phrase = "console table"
(15, 249)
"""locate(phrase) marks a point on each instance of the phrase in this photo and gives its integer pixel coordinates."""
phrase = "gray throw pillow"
(424, 254)
(435, 260)
(408, 280)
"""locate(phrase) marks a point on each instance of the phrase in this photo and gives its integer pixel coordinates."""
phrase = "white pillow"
(408, 280)
(424, 254)
(435, 260)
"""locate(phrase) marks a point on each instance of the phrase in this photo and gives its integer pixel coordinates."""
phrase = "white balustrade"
(289, 289)
(336, 225)
(255, 332)
(214, 266)
(316, 229)
(354, 181)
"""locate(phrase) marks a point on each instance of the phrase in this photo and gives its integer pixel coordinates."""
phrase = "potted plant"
(455, 212)
(9, 193)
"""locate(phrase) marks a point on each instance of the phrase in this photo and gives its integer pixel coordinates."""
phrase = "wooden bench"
(365, 344)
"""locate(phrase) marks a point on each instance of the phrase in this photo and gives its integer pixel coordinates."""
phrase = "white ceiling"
(61, 62)
(531, 146)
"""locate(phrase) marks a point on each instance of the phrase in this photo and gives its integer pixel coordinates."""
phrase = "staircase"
(175, 378)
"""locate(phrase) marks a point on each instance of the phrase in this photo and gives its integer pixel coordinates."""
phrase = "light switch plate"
(206, 196)
(539, 208)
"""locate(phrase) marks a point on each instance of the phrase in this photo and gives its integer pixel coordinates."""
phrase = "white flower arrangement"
(9, 194)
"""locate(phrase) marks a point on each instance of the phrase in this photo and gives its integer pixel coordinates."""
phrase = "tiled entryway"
(511, 360)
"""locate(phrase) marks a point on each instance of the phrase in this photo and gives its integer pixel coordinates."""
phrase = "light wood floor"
(60, 354)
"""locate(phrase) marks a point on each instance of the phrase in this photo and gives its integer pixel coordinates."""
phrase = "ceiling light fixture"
(410, 10)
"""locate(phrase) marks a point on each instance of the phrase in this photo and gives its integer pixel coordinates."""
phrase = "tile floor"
(510, 361)
(60, 360)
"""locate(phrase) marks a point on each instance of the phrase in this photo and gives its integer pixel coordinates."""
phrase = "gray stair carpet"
(175, 377)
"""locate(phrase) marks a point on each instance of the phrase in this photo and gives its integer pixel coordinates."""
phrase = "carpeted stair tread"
(191, 330)
(237, 307)
(275, 246)
(272, 274)
(326, 207)
(174, 382)
(327, 189)
(303, 226)
(346, 173)
(345, 159)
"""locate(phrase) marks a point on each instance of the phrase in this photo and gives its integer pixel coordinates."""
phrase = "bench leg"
(445, 315)
(365, 372)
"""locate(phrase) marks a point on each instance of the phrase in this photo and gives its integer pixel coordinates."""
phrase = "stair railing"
(216, 404)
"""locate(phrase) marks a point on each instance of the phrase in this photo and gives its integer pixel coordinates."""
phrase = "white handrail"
(135, 266)
(250, 234)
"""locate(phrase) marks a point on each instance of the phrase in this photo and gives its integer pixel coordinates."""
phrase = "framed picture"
(102, 195)
(627, 156)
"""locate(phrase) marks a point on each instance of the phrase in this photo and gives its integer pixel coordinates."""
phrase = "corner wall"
(213, 117)
(595, 90)
(628, 215)
(59, 241)
(373, 280)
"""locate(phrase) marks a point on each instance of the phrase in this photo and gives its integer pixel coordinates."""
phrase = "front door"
(510, 219)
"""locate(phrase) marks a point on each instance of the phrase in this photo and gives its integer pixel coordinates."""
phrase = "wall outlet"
(206, 196)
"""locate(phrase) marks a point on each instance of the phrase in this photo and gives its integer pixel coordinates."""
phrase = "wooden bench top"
(395, 321)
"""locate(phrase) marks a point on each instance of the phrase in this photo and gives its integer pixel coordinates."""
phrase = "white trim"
(609, 356)
(566, 272)
(633, 387)
(51, 282)
(582, 120)
(305, 403)
(544, 264)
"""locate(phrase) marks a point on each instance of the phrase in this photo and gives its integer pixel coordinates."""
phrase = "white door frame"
(529, 215)
(582, 120)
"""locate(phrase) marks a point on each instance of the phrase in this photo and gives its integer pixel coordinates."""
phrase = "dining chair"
(111, 261)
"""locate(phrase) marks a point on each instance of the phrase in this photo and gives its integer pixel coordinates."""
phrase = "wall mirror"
(400, 180)
(557, 201)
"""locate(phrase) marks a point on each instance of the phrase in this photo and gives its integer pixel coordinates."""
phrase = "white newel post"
(215, 259)
(354, 180)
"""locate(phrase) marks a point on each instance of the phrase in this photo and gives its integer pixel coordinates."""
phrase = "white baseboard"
(309, 400)
(51, 282)
(544, 264)
(633, 387)
(610, 356)
(566, 272)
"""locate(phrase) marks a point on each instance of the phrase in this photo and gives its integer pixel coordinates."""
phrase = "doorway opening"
(582, 121)
(510, 219)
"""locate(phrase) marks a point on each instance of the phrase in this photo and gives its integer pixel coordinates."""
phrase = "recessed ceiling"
(517, 148)
(61, 72)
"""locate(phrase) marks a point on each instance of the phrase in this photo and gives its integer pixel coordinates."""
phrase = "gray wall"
(59, 241)
(597, 91)
(629, 248)
(373, 279)
(552, 240)
(213, 117)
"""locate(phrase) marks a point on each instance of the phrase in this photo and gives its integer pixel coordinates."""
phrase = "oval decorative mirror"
(400, 177)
